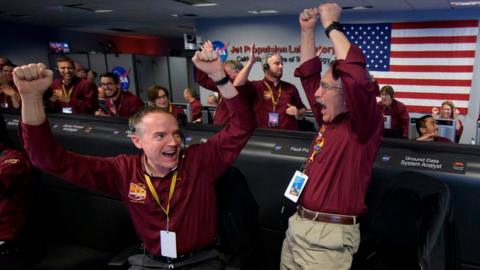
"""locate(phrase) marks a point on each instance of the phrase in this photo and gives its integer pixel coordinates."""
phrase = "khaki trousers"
(310, 245)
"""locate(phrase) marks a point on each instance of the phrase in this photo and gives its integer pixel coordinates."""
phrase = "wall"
(283, 31)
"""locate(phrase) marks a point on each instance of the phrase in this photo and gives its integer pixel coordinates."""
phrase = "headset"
(265, 64)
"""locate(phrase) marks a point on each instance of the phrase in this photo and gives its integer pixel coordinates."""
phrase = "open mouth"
(170, 154)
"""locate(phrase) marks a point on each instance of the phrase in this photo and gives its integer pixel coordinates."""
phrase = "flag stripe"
(434, 54)
(430, 89)
(432, 96)
(430, 40)
(438, 47)
(428, 109)
(436, 32)
(432, 102)
(424, 82)
(419, 68)
(432, 61)
(435, 24)
(420, 75)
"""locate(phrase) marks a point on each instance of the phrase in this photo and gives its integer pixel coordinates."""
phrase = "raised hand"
(252, 57)
(208, 61)
(308, 18)
(32, 80)
(292, 110)
(329, 12)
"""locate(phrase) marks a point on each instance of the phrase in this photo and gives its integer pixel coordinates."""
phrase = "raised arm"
(242, 76)
(308, 20)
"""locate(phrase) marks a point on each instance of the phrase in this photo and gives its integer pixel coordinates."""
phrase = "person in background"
(70, 94)
(232, 68)
(91, 76)
(428, 131)
(324, 232)
(17, 188)
(448, 111)
(158, 96)
(9, 97)
(276, 103)
(212, 100)
(177, 230)
(398, 112)
(117, 102)
(80, 71)
(191, 96)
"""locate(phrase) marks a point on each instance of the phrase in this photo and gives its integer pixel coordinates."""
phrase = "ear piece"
(265, 65)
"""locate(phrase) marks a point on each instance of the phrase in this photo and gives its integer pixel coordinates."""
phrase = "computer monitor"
(208, 113)
(446, 128)
(412, 128)
(187, 108)
(59, 46)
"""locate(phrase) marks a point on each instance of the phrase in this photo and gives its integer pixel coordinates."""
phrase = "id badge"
(296, 185)
(273, 119)
(67, 110)
(168, 244)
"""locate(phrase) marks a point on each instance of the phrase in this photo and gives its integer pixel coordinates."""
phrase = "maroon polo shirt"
(176, 110)
(126, 104)
(221, 113)
(441, 139)
(398, 112)
(196, 110)
(340, 173)
(83, 100)
(264, 105)
(193, 206)
(16, 192)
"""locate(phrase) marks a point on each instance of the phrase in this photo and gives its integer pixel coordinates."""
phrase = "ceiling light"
(103, 10)
(262, 11)
(205, 5)
(175, 15)
(357, 7)
(469, 3)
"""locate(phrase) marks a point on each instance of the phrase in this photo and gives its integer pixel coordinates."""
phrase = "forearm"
(33, 112)
(242, 76)
(301, 114)
(227, 90)
(307, 45)
(341, 44)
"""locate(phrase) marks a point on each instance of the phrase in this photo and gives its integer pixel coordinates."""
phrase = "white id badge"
(273, 119)
(168, 243)
(295, 188)
(67, 110)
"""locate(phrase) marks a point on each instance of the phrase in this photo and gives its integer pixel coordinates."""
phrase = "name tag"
(168, 244)
(387, 121)
(67, 110)
(273, 119)
(296, 185)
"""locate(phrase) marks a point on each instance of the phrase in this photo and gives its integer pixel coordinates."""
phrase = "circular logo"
(222, 49)
(123, 76)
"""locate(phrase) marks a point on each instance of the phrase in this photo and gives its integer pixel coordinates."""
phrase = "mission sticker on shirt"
(137, 193)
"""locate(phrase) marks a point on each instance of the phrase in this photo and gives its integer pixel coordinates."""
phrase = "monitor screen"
(59, 47)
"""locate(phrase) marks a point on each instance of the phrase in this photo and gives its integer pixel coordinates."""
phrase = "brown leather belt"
(328, 218)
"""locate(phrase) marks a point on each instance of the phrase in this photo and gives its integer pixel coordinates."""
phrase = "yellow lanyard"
(319, 142)
(66, 93)
(274, 101)
(170, 108)
(170, 195)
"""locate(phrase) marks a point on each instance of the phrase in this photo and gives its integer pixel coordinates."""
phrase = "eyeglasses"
(326, 86)
(107, 84)
(161, 97)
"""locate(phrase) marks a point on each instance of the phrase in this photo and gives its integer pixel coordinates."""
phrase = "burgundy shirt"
(398, 112)
(221, 112)
(125, 105)
(16, 192)
(442, 139)
(83, 100)
(458, 130)
(340, 173)
(264, 105)
(196, 110)
(193, 206)
(176, 110)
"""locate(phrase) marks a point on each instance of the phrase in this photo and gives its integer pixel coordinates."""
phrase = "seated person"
(212, 100)
(448, 111)
(158, 96)
(117, 102)
(9, 97)
(70, 94)
(169, 191)
(191, 96)
(17, 187)
(388, 105)
(427, 130)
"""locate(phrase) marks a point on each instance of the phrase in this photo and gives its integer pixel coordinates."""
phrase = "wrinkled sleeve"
(309, 74)
(204, 81)
(222, 149)
(360, 93)
(98, 174)
(89, 102)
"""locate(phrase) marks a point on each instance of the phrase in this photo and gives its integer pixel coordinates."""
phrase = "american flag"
(425, 62)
